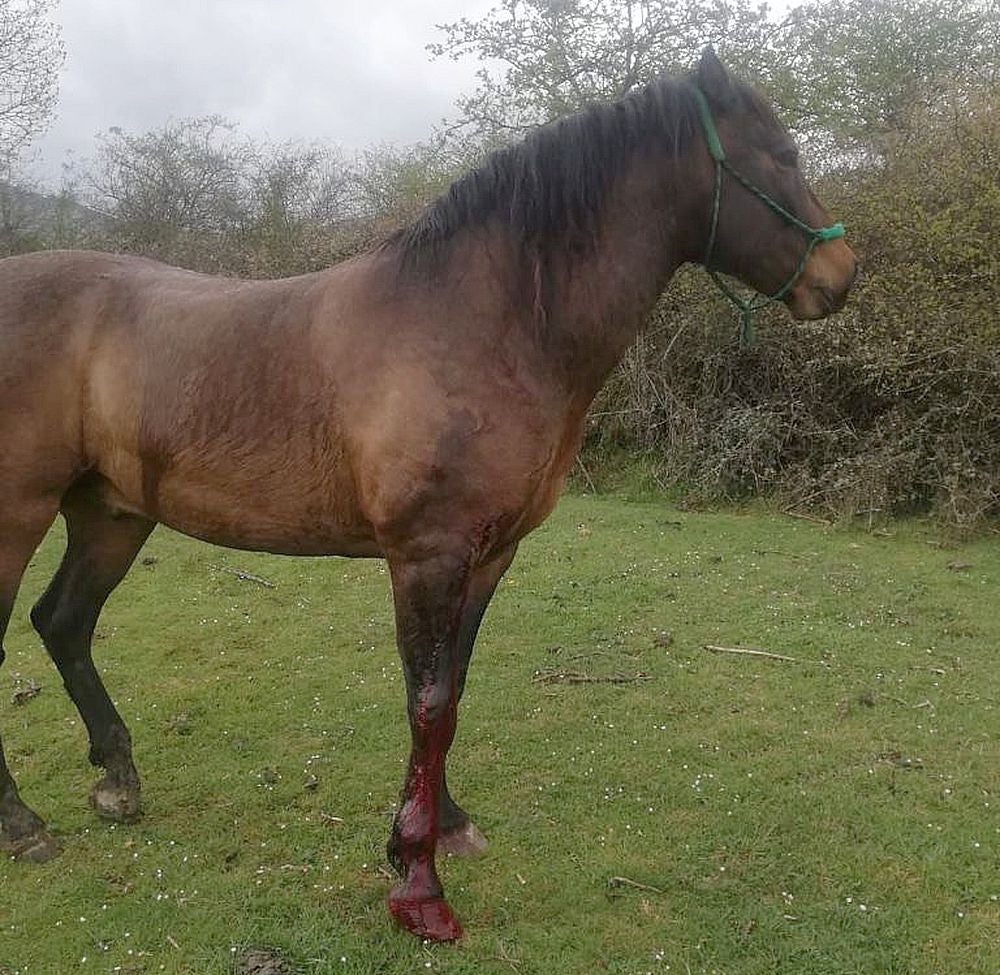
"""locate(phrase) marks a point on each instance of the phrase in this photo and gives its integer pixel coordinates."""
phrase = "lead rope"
(749, 307)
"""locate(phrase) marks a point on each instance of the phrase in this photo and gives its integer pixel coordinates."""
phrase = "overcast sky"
(343, 71)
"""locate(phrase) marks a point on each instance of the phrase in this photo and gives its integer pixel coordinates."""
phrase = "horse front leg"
(429, 597)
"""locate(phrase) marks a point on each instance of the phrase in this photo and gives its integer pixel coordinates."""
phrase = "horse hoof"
(466, 841)
(428, 917)
(37, 848)
(117, 803)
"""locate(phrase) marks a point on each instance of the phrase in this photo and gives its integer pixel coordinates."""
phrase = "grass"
(836, 815)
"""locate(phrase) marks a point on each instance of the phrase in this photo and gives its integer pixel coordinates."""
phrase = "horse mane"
(550, 189)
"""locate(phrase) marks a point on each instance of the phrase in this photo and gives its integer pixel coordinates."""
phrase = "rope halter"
(814, 235)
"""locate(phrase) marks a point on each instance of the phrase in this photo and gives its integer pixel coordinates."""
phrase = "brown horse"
(421, 403)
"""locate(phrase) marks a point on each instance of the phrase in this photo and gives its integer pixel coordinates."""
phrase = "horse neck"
(652, 223)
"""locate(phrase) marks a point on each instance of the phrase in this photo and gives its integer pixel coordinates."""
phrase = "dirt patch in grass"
(261, 961)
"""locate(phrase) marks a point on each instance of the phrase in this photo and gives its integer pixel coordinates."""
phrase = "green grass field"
(709, 814)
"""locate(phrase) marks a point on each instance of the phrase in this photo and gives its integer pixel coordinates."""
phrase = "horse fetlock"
(36, 848)
(402, 849)
(114, 753)
(24, 836)
(394, 852)
(450, 814)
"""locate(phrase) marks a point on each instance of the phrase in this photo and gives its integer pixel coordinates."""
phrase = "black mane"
(551, 187)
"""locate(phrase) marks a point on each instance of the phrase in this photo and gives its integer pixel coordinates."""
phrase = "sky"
(337, 71)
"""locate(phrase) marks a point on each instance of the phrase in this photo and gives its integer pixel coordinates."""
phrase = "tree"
(188, 176)
(292, 184)
(556, 55)
(296, 210)
(31, 54)
(392, 184)
(847, 72)
(865, 68)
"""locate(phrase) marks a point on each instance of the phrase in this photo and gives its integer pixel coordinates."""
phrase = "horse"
(421, 403)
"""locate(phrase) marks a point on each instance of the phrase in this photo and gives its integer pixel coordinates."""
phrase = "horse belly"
(247, 503)
(270, 521)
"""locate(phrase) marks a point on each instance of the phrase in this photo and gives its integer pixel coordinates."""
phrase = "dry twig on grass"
(751, 652)
(246, 576)
(815, 519)
(576, 677)
(614, 882)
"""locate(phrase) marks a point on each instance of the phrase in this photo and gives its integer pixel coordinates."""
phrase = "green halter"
(814, 235)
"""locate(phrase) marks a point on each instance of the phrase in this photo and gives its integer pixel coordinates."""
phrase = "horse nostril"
(833, 298)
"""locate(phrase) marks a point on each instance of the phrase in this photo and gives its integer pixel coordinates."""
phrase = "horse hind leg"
(101, 546)
(458, 834)
(23, 833)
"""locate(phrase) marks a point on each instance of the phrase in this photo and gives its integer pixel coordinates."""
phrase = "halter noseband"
(814, 235)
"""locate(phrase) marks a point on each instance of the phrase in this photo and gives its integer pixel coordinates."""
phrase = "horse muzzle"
(825, 283)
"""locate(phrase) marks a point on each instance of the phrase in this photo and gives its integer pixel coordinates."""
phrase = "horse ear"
(713, 79)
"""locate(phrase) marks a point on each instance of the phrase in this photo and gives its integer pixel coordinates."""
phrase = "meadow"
(652, 806)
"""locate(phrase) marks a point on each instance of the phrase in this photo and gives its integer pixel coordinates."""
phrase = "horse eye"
(788, 157)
